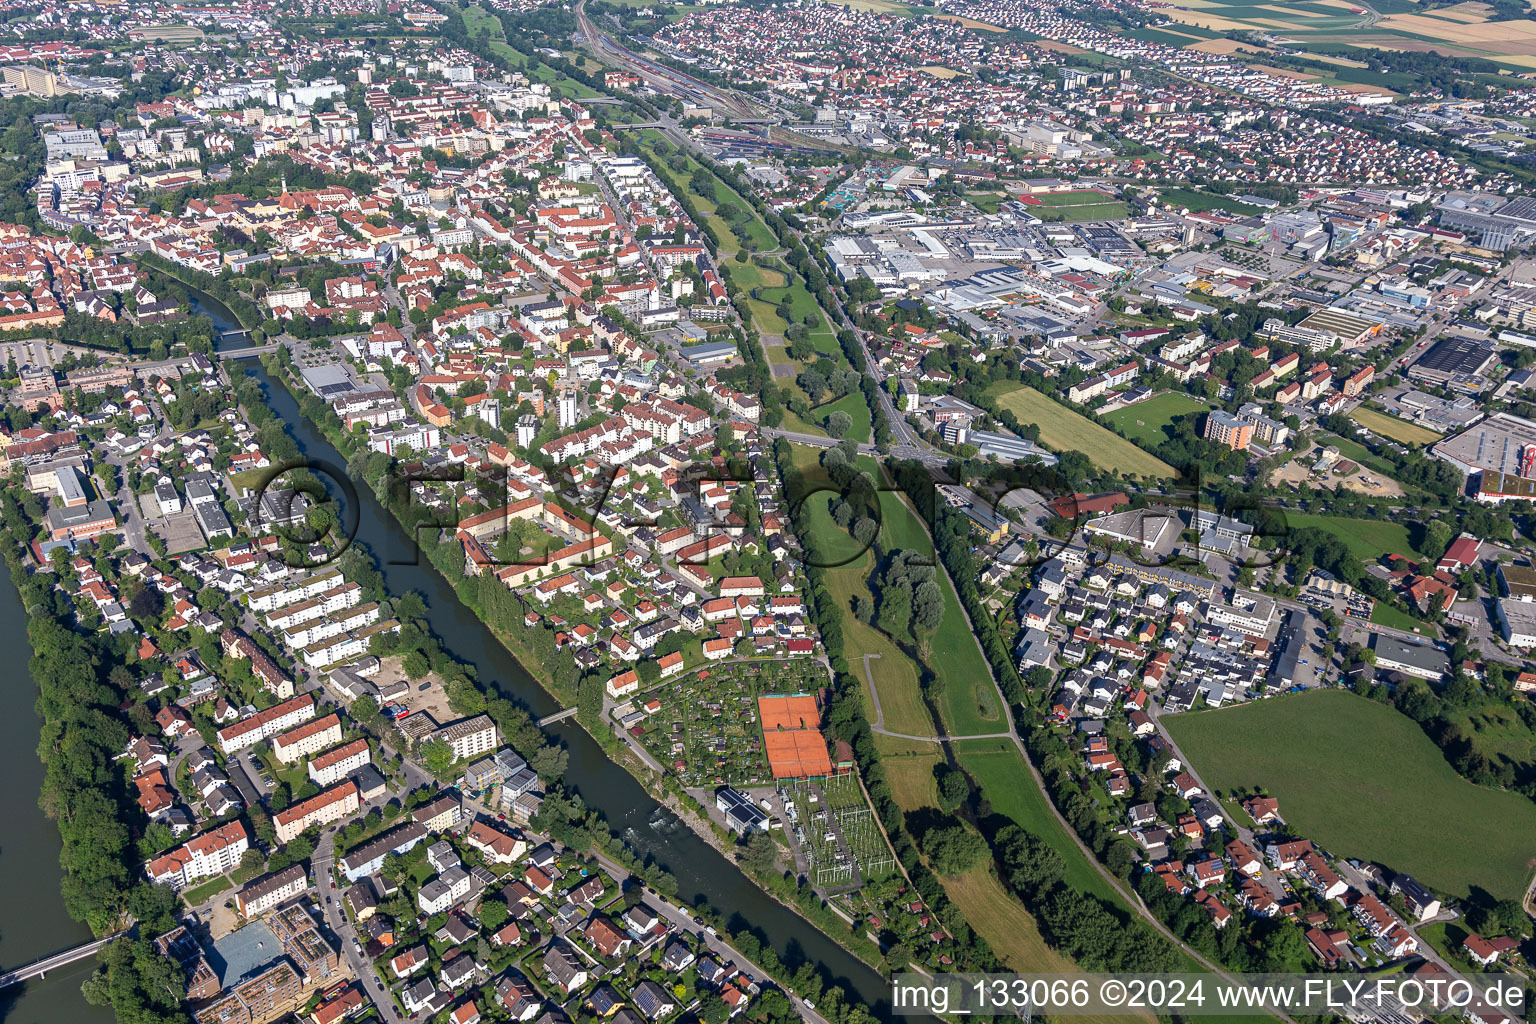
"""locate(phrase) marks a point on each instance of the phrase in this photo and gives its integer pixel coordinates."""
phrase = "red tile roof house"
(1479, 950)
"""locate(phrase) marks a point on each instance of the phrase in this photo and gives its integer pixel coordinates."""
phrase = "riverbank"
(34, 922)
(678, 803)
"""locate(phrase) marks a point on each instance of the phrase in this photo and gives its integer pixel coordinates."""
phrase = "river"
(33, 923)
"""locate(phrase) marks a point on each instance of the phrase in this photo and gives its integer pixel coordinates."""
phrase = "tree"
(760, 853)
(895, 611)
(364, 710)
(437, 755)
(953, 850)
(493, 914)
(416, 665)
(954, 787)
(589, 701)
(839, 423)
(549, 762)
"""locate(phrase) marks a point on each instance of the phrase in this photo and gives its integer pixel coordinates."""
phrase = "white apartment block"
(469, 737)
(309, 738)
(265, 724)
(334, 600)
(334, 765)
(331, 805)
(280, 595)
(212, 853)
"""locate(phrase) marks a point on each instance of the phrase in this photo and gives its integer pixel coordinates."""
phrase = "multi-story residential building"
(333, 804)
(212, 853)
(368, 858)
(444, 891)
(1225, 428)
(271, 890)
(309, 738)
(334, 765)
(265, 724)
(261, 998)
(468, 737)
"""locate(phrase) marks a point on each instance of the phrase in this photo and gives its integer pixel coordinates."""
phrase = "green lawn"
(1062, 429)
(1369, 539)
(1151, 422)
(1384, 614)
(746, 230)
(857, 409)
(987, 202)
(196, 897)
(1364, 781)
(1499, 734)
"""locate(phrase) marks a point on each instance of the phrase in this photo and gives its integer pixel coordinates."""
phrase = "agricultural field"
(1364, 781)
(1387, 425)
(1061, 430)
(1368, 539)
(1150, 423)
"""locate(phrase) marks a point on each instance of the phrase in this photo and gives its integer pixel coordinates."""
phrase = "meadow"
(1062, 429)
(1397, 429)
(1364, 781)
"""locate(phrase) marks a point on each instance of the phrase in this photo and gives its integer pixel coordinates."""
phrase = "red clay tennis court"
(792, 738)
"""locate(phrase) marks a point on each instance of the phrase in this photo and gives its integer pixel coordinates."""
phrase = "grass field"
(1389, 615)
(1498, 734)
(747, 231)
(1369, 539)
(1364, 781)
(1386, 425)
(1151, 422)
(848, 569)
(1203, 202)
(969, 703)
(1061, 430)
(1083, 205)
(987, 906)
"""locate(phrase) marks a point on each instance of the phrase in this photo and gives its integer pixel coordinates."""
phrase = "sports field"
(1364, 781)
(1151, 422)
(1062, 430)
(1083, 205)
(1390, 426)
